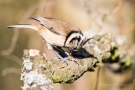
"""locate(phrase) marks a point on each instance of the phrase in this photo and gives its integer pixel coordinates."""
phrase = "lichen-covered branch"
(39, 73)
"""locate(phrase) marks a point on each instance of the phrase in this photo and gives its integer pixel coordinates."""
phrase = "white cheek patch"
(75, 44)
(80, 42)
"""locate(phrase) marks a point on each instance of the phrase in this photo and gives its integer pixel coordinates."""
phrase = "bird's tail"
(23, 26)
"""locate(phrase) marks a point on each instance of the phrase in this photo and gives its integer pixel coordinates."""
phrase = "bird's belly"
(52, 38)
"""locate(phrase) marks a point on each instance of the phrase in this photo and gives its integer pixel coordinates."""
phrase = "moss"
(115, 55)
(71, 80)
(128, 62)
(91, 69)
(56, 79)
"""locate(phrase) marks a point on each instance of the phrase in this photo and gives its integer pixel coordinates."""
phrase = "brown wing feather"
(57, 26)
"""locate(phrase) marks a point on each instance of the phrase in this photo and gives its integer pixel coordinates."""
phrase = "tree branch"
(38, 72)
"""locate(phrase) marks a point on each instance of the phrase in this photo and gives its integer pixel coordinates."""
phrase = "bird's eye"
(75, 49)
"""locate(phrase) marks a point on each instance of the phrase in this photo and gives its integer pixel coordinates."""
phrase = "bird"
(57, 34)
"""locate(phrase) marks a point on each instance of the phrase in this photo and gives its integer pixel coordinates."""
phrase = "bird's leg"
(70, 57)
(51, 49)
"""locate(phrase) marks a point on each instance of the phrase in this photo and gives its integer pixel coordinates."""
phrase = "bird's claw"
(63, 59)
(73, 59)
(67, 58)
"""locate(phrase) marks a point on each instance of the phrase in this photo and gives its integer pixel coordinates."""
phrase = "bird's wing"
(57, 26)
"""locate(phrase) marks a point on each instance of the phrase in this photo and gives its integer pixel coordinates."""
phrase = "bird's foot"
(71, 58)
(74, 60)
(63, 59)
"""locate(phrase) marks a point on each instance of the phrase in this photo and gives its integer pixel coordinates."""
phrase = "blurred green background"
(114, 16)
